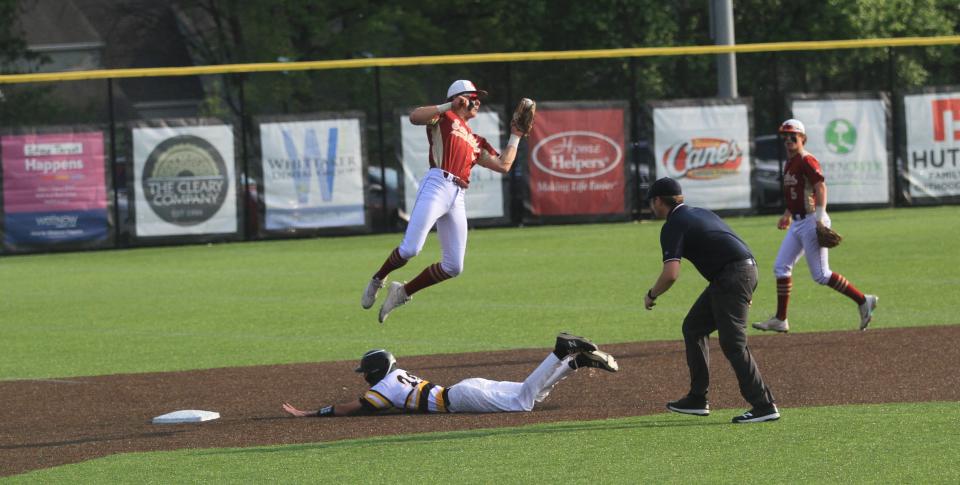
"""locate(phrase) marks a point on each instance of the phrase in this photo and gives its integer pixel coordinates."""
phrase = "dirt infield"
(58, 421)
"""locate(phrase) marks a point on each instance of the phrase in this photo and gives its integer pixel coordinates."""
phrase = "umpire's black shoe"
(759, 415)
(697, 406)
(571, 344)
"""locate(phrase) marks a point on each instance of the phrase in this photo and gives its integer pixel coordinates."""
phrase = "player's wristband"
(821, 212)
(514, 141)
(325, 412)
(650, 294)
(443, 108)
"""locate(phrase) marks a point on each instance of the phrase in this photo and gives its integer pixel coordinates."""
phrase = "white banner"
(184, 180)
(933, 144)
(849, 138)
(484, 198)
(312, 174)
(706, 149)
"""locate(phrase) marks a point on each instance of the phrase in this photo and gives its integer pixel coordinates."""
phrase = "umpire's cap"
(463, 86)
(664, 187)
(376, 364)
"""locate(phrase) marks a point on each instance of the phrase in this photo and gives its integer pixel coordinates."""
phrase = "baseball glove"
(523, 116)
(828, 238)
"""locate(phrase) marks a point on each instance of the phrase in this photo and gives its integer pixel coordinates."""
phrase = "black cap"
(665, 187)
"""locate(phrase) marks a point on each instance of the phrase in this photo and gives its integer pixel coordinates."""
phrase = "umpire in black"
(727, 263)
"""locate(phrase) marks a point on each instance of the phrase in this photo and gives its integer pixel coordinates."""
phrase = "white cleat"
(396, 296)
(370, 292)
(866, 311)
(774, 324)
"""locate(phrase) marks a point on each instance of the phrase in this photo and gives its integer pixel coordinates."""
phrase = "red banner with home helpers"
(577, 161)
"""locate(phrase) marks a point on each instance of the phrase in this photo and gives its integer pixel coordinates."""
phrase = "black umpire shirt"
(702, 237)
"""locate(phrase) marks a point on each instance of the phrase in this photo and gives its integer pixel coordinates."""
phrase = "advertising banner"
(54, 188)
(933, 144)
(577, 162)
(484, 198)
(184, 181)
(707, 149)
(312, 174)
(849, 138)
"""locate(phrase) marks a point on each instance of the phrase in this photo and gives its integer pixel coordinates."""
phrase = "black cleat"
(571, 344)
(597, 359)
(697, 406)
(759, 415)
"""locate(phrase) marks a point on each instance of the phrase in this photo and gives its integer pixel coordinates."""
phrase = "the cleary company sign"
(577, 154)
(702, 158)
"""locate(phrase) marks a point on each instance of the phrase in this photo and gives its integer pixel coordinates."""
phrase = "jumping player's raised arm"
(504, 162)
(425, 114)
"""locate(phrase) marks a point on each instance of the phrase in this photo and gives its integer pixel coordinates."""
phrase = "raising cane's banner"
(54, 188)
(933, 144)
(706, 149)
(576, 162)
(184, 180)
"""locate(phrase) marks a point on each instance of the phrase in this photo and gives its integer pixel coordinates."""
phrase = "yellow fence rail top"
(479, 58)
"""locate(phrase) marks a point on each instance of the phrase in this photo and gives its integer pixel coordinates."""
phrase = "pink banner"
(53, 172)
(577, 162)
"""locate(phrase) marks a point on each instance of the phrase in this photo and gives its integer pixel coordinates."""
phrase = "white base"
(186, 416)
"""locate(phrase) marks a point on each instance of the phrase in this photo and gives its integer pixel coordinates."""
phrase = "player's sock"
(430, 275)
(784, 285)
(393, 262)
(839, 283)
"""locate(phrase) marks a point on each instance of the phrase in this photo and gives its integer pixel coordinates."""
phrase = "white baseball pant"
(478, 395)
(439, 201)
(801, 239)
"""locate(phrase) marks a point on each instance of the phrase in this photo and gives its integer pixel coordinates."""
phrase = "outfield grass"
(175, 308)
(889, 443)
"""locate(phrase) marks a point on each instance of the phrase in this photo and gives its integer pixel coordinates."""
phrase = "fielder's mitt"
(523, 116)
(828, 238)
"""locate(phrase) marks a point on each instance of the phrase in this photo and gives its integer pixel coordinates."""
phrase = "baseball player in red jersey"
(805, 191)
(394, 389)
(454, 150)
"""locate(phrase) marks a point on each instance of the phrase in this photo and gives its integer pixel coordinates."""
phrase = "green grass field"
(177, 308)
(902, 443)
(164, 309)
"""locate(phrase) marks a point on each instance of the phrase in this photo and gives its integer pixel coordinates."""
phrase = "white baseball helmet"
(462, 86)
(793, 126)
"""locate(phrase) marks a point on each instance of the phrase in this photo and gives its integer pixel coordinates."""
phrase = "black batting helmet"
(376, 364)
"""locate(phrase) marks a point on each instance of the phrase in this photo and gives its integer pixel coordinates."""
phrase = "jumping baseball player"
(454, 150)
(393, 388)
(805, 191)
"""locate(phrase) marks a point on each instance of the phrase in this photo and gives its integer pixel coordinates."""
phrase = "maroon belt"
(456, 180)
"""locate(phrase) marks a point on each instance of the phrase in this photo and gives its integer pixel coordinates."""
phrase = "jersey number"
(409, 379)
(793, 193)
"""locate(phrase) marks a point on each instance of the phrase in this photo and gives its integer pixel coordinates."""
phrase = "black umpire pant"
(723, 306)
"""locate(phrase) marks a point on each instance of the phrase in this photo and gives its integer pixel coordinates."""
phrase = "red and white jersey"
(403, 390)
(801, 173)
(453, 146)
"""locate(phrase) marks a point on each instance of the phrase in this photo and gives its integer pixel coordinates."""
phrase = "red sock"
(784, 285)
(839, 283)
(430, 275)
(393, 262)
